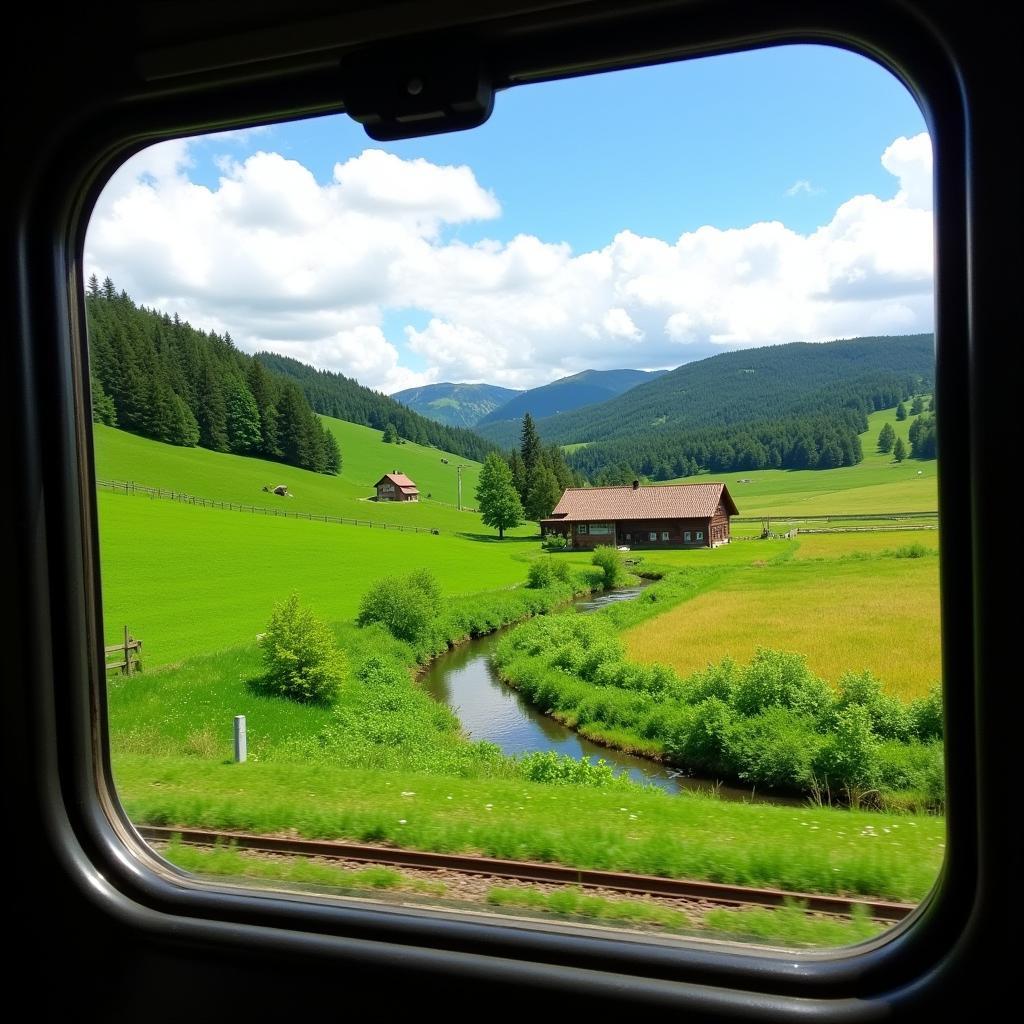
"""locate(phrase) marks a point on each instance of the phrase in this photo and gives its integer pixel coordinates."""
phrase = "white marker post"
(241, 752)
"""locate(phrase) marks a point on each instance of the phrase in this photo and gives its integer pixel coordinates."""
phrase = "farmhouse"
(669, 515)
(396, 487)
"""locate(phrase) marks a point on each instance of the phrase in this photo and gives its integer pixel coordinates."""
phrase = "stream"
(467, 682)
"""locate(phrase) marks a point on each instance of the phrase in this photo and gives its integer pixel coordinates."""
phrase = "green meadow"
(197, 585)
(878, 484)
(365, 459)
(189, 580)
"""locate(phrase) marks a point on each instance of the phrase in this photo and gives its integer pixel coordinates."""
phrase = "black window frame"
(91, 851)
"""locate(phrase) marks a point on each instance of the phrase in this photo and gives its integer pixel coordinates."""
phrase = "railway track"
(529, 871)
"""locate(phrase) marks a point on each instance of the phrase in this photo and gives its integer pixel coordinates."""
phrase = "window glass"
(565, 308)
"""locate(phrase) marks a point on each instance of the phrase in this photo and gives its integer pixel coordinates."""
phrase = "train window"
(350, 398)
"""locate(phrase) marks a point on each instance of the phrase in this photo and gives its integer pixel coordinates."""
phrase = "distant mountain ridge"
(458, 405)
(588, 387)
(334, 394)
(749, 384)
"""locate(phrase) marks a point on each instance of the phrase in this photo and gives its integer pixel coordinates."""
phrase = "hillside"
(224, 477)
(159, 377)
(338, 396)
(561, 396)
(458, 405)
(788, 406)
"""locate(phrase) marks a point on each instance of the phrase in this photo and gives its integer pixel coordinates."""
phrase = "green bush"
(926, 715)
(609, 560)
(407, 606)
(562, 770)
(849, 755)
(302, 660)
(780, 678)
(774, 748)
(547, 572)
(555, 542)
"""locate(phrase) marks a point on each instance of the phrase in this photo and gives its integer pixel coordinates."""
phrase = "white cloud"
(312, 269)
(803, 186)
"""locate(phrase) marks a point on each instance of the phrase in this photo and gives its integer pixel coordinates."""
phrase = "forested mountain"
(157, 376)
(560, 396)
(794, 406)
(334, 394)
(458, 405)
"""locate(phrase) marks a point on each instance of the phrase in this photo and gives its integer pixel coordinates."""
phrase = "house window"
(664, 534)
(653, 535)
(581, 527)
(600, 528)
(700, 535)
(687, 537)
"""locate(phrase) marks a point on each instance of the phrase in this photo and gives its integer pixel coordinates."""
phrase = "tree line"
(155, 375)
(334, 394)
(800, 442)
(757, 385)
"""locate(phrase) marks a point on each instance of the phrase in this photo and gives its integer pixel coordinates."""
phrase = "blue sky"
(784, 135)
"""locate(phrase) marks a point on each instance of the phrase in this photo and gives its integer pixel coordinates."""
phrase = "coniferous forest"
(334, 394)
(154, 375)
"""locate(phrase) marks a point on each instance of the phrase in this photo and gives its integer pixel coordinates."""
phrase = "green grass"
(879, 613)
(878, 484)
(189, 580)
(790, 926)
(574, 902)
(644, 830)
(123, 456)
(230, 861)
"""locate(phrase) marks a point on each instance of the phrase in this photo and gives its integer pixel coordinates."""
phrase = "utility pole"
(458, 469)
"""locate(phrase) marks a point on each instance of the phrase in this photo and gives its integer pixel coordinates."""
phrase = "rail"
(530, 871)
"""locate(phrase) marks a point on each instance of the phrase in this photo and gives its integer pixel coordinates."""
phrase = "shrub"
(774, 748)
(783, 679)
(609, 560)
(926, 715)
(562, 770)
(699, 736)
(890, 718)
(849, 756)
(913, 551)
(303, 662)
(407, 607)
(555, 542)
(546, 572)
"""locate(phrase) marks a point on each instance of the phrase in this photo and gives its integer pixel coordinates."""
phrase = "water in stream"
(465, 680)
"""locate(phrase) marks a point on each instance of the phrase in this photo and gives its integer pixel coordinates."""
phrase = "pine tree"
(917, 406)
(333, 453)
(94, 286)
(886, 438)
(901, 411)
(515, 464)
(529, 445)
(390, 433)
(244, 433)
(899, 451)
(103, 410)
(542, 494)
(496, 497)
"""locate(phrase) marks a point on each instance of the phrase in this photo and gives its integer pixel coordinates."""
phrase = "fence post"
(241, 751)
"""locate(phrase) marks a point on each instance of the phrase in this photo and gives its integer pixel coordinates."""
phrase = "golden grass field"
(879, 613)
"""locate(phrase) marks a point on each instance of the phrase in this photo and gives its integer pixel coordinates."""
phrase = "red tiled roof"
(398, 479)
(666, 501)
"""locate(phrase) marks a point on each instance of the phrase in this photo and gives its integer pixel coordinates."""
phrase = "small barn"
(666, 515)
(396, 487)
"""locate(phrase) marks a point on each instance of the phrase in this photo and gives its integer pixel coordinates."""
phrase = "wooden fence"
(128, 653)
(130, 487)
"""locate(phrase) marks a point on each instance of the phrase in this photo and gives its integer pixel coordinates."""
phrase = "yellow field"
(836, 545)
(880, 613)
